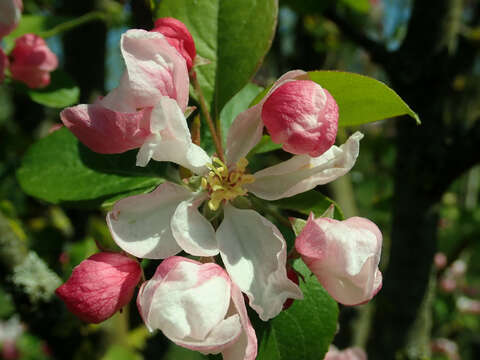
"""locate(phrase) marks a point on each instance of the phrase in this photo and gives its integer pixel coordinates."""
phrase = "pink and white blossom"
(302, 116)
(121, 120)
(168, 220)
(10, 14)
(344, 256)
(353, 353)
(31, 61)
(100, 286)
(198, 307)
(178, 36)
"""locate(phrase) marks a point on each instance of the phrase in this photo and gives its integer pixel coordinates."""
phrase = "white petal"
(302, 172)
(140, 224)
(254, 253)
(192, 231)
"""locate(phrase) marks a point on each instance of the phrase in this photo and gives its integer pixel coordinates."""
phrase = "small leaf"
(306, 329)
(61, 92)
(297, 225)
(361, 99)
(228, 34)
(307, 202)
(59, 169)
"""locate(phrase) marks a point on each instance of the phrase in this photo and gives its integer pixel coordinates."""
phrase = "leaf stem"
(68, 25)
(206, 113)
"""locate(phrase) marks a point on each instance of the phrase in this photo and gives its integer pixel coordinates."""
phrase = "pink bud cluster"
(31, 60)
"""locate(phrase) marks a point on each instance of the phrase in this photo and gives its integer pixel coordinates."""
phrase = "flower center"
(224, 184)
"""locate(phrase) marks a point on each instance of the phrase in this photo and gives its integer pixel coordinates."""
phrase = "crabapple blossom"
(100, 286)
(302, 116)
(10, 13)
(121, 120)
(344, 256)
(3, 65)
(354, 353)
(32, 61)
(198, 307)
(178, 36)
(168, 220)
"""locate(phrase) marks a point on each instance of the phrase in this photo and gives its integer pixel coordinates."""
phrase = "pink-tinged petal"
(10, 14)
(245, 348)
(153, 69)
(171, 140)
(106, 131)
(178, 36)
(254, 253)
(344, 256)
(193, 232)
(189, 301)
(3, 65)
(32, 61)
(140, 224)
(246, 130)
(302, 172)
(100, 286)
(302, 117)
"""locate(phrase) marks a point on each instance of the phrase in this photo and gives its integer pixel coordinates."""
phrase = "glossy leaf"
(310, 201)
(233, 35)
(61, 92)
(361, 99)
(306, 329)
(59, 169)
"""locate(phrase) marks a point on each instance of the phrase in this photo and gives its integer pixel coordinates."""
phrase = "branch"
(377, 51)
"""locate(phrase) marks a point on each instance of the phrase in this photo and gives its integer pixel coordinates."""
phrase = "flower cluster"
(31, 60)
(199, 304)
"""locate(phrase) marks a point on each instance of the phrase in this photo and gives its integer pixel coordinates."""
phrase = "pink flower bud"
(344, 256)
(354, 353)
(198, 307)
(32, 61)
(302, 116)
(10, 13)
(448, 284)
(100, 286)
(178, 36)
(3, 65)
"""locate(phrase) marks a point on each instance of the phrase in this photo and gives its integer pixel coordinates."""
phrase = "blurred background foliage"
(41, 243)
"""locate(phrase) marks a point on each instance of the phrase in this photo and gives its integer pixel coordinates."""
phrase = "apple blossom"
(3, 65)
(167, 220)
(10, 13)
(121, 120)
(178, 36)
(32, 61)
(354, 353)
(198, 307)
(100, 286)
(344, 256)
(302, 116)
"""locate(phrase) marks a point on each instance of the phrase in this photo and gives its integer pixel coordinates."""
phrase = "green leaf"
(360, 6)
(34, 24)
(265, 145)
(240, 102)
(59, 169)
(234, 35)
(310, 201)
(61, 92)
(361, 99)
(306, 329)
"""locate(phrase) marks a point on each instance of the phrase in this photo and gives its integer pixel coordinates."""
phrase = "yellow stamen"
(224, 184)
